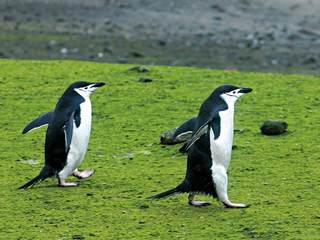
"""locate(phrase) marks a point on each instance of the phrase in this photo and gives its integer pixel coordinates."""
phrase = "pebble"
(272, 127)
(145, 80)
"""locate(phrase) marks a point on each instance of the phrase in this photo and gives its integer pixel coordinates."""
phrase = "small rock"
(274, 62)
(122, 60)
(162, 42)
(145, 80)
(136, 54)
(77, 237)
(141, 69)
(60, 20)
(64, 51)
(100, 55)
(294, 6)
(272, 127)
(270, 36)
(8, 18)
(106, 21)
(218, 8)
(144, 206)
(52, 42)
(2, 55)
(293, 36)
(310, 60)
(107, 50)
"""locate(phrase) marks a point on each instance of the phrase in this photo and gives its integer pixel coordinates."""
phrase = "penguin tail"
(179, 189)
(45, 173)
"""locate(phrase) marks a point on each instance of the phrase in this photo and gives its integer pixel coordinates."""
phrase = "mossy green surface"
(278, 176)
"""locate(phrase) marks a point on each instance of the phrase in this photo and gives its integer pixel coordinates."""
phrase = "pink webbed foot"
(196, 203)
(83, 174)
(199, 203)
(63, 183)
(229, 204)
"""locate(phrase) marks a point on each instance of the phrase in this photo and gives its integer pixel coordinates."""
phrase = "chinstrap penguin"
(67, 136)
(209, 150)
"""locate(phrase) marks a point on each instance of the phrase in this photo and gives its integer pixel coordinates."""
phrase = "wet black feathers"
(38, 122)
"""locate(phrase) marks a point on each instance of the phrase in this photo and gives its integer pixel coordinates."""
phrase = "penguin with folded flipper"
(67, 136)
(209, 150)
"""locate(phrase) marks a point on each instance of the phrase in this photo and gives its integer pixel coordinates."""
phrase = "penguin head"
(230, 93)
(85, 88)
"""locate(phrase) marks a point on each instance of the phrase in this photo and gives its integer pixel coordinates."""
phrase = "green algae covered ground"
(278, 176)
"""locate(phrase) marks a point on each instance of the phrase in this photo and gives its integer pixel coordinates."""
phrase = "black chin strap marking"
(231, 95)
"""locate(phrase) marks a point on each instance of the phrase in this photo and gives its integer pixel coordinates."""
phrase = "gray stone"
(140, 69)
(145, 80)
(272, 127)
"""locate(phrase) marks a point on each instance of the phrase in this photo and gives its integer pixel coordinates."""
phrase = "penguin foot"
(63, 183)
(235, 205)
(198, 203)
(83, 174)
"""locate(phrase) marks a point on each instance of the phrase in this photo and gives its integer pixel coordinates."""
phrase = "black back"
(55, 146)
(198, 175)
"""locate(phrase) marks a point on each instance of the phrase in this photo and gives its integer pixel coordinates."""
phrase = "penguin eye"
(234, 92)
(86, 88)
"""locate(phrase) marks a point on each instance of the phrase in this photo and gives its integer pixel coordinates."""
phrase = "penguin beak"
(100, 84)
(245, 90)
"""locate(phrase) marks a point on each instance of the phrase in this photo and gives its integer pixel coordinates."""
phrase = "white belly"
(221, 147)
(80, 140)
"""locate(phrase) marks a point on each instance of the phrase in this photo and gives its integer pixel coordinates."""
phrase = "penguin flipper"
(185, 131)
(197, 135)
(68, 129)
(38, 122)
